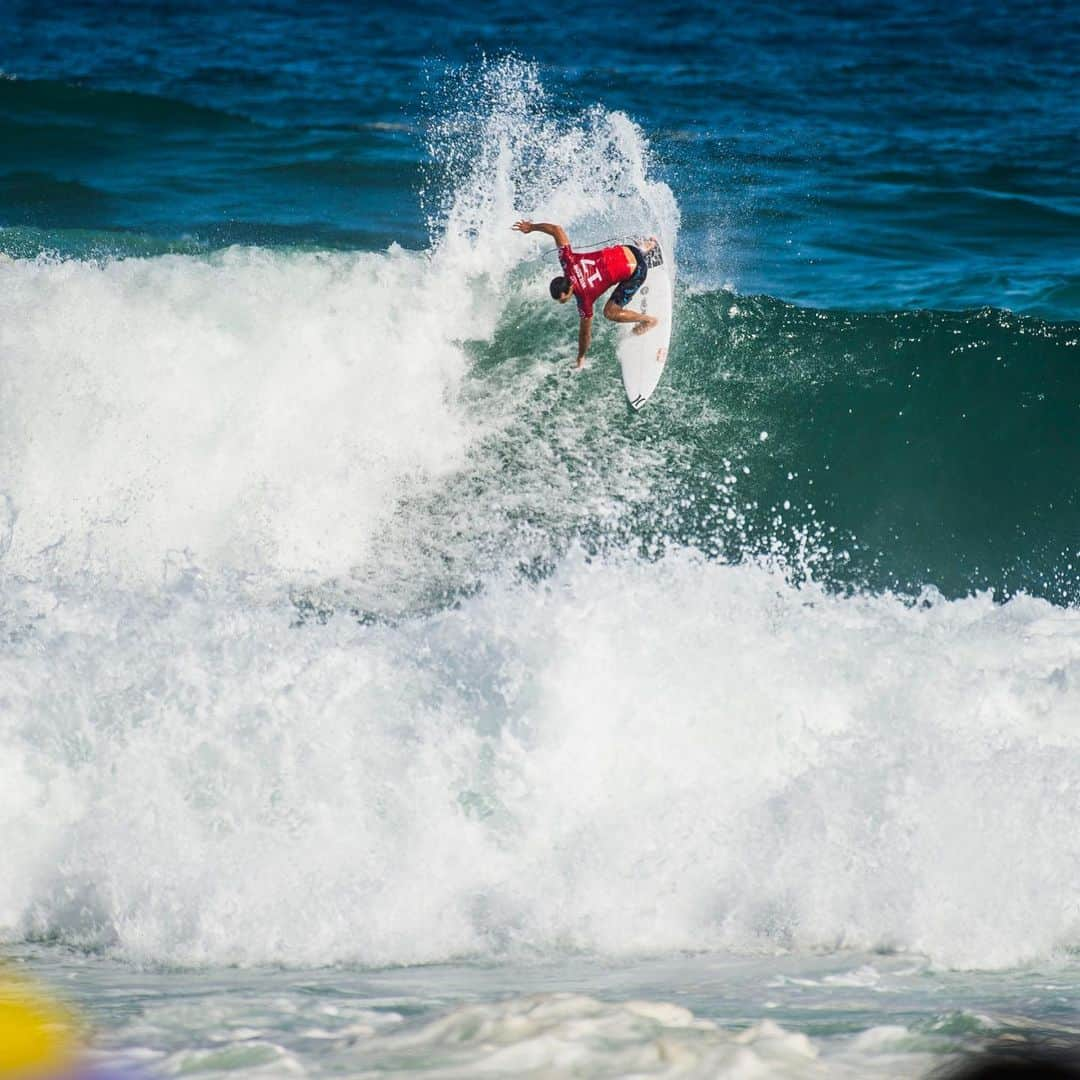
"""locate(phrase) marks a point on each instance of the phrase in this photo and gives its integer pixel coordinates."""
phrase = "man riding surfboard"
(588, 275)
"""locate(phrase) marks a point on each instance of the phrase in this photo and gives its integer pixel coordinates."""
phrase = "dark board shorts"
(624, 291)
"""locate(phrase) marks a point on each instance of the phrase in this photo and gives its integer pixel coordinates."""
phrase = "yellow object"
(37, 1036)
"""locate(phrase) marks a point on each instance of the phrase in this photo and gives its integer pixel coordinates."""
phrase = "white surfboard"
(642, 356)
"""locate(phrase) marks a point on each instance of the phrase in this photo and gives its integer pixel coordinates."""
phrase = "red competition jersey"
(593, 272)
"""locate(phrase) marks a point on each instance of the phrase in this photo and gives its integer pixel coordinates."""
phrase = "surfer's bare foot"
(645, 325)
(649, 244)
(579, 365)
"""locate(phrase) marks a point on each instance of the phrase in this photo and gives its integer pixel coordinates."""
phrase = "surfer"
(589, 274)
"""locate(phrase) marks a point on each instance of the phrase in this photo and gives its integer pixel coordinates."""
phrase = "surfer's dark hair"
(558, 287)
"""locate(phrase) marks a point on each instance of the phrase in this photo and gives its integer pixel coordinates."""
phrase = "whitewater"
(352, 645)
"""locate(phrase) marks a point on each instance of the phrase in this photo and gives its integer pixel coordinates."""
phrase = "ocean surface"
(379, 697)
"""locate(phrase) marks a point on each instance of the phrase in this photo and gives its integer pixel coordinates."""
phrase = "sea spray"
(501, 146)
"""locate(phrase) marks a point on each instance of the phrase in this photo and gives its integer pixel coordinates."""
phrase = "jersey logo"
(588, 266)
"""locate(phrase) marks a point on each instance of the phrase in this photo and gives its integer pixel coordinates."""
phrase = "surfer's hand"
(523, 226)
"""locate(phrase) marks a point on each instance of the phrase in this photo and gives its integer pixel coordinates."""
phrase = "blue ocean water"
(377, 696)
(853, 155)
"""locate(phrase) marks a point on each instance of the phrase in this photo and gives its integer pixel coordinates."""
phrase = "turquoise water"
(845, 1015)
(378, 696)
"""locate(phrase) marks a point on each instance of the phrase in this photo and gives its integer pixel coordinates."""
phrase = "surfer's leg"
(616, 313)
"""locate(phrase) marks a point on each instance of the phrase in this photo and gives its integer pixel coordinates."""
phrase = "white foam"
(256, 409)
(631, 758)
(538, 1035)
(571, 1034)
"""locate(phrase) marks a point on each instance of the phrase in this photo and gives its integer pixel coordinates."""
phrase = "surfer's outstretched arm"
(556, 232)
(584, 336)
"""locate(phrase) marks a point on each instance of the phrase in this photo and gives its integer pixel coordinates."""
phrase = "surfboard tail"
(654, 256)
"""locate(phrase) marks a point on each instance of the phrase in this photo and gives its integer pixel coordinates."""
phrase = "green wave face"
(881, 451)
